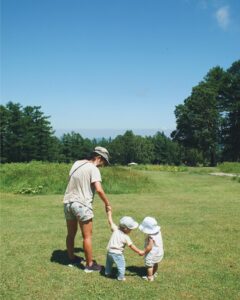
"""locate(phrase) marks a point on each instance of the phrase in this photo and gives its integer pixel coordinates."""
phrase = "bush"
(30, 190)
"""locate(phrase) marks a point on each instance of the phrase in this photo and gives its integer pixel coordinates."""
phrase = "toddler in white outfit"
(153, 246)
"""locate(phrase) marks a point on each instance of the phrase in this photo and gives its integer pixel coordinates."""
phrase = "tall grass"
(164, 168)
(230, 167)
(121, 180)
(52, 178)
(16, 177)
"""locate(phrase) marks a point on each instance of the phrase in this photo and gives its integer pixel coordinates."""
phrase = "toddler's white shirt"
(118, 241)
(157, 248)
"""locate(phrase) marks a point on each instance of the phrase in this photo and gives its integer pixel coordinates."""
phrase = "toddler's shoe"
(121, 279)
(148, 278)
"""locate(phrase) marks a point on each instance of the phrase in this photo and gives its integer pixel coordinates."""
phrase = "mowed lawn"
(200, 219)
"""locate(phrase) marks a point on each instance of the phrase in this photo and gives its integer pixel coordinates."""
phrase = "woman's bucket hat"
(103, 153)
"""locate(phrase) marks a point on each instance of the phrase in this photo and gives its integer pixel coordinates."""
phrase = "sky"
(102, 66)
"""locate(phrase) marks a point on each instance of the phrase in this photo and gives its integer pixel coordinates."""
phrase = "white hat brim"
(134, 226)
(149, 231)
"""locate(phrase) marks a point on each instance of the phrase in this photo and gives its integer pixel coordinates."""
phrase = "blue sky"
(113, 64)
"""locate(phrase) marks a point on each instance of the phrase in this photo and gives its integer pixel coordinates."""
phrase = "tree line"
(27, 134)
(207, 132)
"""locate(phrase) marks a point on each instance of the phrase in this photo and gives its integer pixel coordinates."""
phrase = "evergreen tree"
(12, 132)
(26, 134)
(229, 98)
(71, 146)
(198, 119)
(165, 150)
(4, 147)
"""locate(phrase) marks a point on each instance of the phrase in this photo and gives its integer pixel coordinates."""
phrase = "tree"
(229, 98)
(165, 150)
(12, 132)
(71, 146)
(26, 134)
(4, 116)
(131, 148)
(198, 119)
(144, 150)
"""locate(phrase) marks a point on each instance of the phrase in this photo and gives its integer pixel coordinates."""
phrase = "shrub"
(30, 190)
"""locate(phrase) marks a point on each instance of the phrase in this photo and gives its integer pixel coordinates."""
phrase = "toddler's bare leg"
(155, 268)
(150, 273)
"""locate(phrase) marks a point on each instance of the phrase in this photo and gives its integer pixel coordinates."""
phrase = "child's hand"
(141, 253)
(109, 216)
(110, 221)
(114, 227)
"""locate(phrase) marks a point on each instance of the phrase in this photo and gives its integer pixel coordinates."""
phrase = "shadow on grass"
(133, 271)
(139, 271)
(61, 257)
(113, 274)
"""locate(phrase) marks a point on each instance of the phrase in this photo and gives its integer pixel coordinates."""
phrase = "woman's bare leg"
(86, 228)
(72, 230)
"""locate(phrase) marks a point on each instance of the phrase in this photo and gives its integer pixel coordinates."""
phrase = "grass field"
(199, 216)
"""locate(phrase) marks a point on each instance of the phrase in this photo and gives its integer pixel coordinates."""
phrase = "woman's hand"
(108, 208)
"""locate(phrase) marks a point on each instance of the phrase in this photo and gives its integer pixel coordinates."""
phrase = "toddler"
(120, 238)
(153, 246)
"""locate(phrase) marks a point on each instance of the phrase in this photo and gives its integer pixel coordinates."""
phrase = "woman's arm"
(102, 195)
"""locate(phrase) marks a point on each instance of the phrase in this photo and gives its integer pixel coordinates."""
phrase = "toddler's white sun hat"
(149, 226)
(128, 222)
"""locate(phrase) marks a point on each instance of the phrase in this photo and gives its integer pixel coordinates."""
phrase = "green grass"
(164, 168)
(199, 216)
(52, 178)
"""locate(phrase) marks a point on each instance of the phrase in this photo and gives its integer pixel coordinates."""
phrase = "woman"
(84, 180)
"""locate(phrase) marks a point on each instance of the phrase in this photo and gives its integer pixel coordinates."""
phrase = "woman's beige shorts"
(77, 211)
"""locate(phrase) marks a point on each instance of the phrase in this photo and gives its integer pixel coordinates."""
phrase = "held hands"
(141, 253)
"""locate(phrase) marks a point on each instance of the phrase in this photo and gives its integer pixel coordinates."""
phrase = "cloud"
(223, 17)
